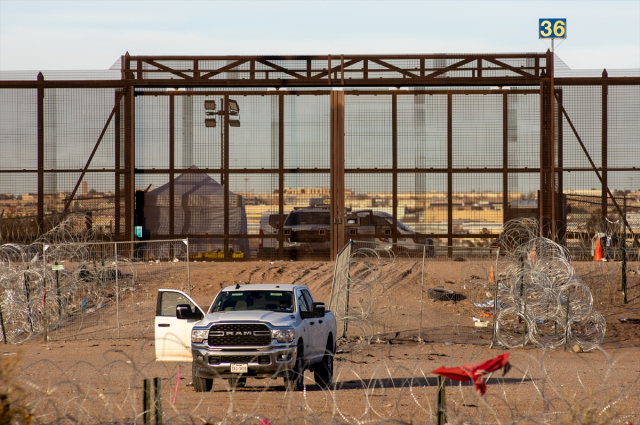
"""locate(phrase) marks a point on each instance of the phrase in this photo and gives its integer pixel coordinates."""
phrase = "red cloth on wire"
(475, 372)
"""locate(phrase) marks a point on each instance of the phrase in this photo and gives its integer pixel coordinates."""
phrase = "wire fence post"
(58, 292)
(26, 294)
(495, 298)
(186, 242)
(424, 254)
(115, 248)
(566, 317)
(146, 402)
(441, 406)
(157, 402)
(523, 295)
(44, 291)
(346, 309)
(4, 333)
(624, 268)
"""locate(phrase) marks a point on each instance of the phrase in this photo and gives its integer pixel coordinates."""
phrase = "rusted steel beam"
(342, 68)
(552, 145)
(455, 66)
(337, 173)
(376, 235)
(505, 158)
(225, 68)
(394, 68)
(160, 67)
(560, 193)
(184, 58)
(503, 65)
(172, 191)
(93, 152)
(40, 153)
(225, 175)
(449, 174)
(129, 163)
(280, 176)
(340, 206)
(117, 151)
(315, 81)
(333, 182)
(323, 170)
(327, 92)
(281, 69)
(394, 165)
(605, 148)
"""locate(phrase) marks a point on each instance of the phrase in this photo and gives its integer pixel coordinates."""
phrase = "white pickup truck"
(257, 331)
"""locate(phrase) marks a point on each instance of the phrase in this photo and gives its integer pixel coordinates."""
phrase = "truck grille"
(239, 359)
(240, 334)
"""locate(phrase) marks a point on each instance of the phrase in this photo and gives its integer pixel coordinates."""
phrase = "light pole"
(230, 112)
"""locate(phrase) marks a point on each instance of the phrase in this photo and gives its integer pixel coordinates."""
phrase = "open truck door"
(173, 335)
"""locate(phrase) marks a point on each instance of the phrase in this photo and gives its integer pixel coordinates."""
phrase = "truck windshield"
(308, 217)
(404, 227)
(278, 301)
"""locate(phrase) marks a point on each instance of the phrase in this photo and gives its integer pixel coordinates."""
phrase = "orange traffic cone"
(598, 255)
(492, 276)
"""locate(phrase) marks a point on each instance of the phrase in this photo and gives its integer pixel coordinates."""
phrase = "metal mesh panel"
(417, 151)
(19, 129)
(383, 291)
(477, 131)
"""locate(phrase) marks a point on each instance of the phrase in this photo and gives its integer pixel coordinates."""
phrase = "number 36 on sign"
(552, 28)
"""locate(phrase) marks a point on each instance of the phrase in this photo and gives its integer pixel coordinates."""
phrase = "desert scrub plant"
(597, 408)
(13, 409)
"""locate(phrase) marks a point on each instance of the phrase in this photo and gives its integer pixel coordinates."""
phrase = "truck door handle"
(163, 325)
(320, 321)
(312, 323)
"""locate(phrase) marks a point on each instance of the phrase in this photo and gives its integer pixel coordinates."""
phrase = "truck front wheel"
(323, 371)
(294, 379)
(200, 385)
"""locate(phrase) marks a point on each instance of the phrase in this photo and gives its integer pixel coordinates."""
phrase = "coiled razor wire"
(364, 300)
(543, 300)
(83, 286)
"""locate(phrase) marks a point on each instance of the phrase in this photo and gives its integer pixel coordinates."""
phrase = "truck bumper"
(260, 364)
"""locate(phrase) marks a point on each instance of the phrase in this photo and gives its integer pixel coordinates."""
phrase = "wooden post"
(157, 402)
(146, 402)
(441, 405)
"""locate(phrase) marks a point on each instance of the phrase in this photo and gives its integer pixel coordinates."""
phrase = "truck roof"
(262, 287)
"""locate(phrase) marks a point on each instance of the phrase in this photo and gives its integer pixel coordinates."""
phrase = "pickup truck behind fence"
(257, 331)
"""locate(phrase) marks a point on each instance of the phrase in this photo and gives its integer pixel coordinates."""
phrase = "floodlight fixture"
(234, 123)
(210, 105)
(210, 122)
(233, 107)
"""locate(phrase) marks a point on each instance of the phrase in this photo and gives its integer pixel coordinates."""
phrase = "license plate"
(239, 368)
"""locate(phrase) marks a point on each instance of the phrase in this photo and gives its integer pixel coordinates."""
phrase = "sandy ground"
(99, 380)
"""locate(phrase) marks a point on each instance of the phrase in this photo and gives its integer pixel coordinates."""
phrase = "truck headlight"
(198, 335)
(283, 335)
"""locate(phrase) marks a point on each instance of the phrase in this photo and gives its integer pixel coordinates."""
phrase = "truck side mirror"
(318, 309)
(184, 312)
(273, 221)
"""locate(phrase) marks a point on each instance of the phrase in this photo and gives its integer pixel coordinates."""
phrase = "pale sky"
(75, 35)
